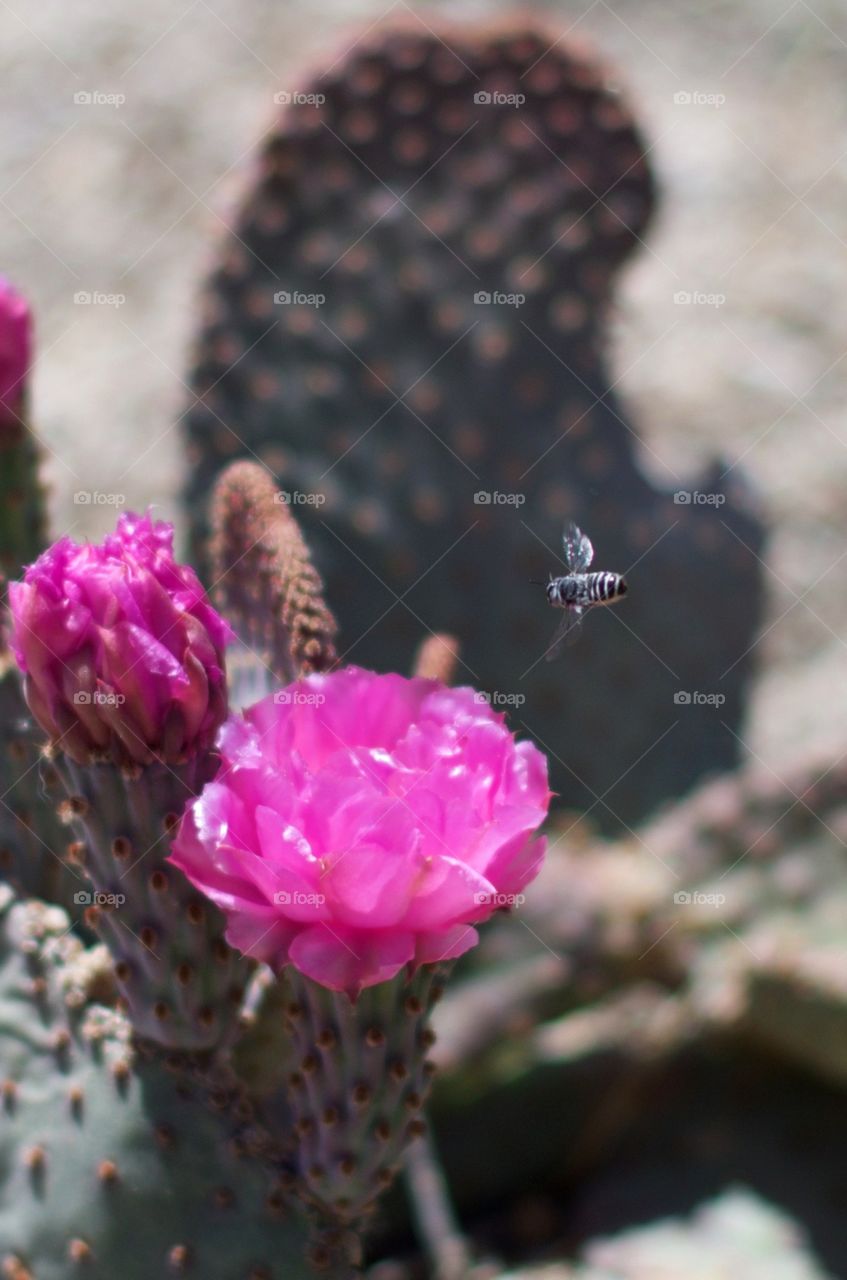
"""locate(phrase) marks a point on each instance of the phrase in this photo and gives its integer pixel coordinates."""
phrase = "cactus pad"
(407, 328)
(113, 1165)
(182, 983)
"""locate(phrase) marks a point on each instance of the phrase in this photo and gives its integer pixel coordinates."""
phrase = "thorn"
(79, 1251)
(165, 1137)
(107, 1172)
(179, 1257)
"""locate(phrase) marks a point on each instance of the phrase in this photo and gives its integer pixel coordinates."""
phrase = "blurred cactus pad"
(408, 325)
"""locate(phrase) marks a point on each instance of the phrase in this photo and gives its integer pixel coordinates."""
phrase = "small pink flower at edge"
(15, 348)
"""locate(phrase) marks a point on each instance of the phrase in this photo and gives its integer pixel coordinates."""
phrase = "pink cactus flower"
(123, 654)
(15, 349)
(362, 823)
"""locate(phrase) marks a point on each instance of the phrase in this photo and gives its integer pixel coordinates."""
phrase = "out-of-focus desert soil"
(127, 200)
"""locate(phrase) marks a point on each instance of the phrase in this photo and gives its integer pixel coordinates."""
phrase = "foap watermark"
(298, 498)
(499, 901)
(97, 498)
(698, 98)
(696, 498)
(98, 698)
(495, 98)
(693, 698)
(98, 98)
(299, 899)
(496, 298)
(297, 298)
(299, 698)
(87, 298)
(494, 498)
(499, 699)
(285, 98)
(697, 898)
(93, 898)
(698, 298)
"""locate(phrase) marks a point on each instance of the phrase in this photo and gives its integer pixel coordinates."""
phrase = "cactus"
(344, 338)
(32, 840)
(22, 520)
(114, 1161)
(128, 1123)
(361, 1081)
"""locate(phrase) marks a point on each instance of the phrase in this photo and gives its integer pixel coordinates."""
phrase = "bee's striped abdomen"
(601, 588)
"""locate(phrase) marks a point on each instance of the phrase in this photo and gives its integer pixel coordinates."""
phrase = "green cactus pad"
(33, 842)
(22, 510)
(111, 1164)
(181, 982)
(361, 1075)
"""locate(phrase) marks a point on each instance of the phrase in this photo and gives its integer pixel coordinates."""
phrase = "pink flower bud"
(123, 654)
(361, 823)
(15, 349)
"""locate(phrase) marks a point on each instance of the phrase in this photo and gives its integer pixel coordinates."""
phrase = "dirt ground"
(126, 129)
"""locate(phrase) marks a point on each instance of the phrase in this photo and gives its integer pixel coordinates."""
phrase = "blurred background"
(124, 197)
(669, 1095)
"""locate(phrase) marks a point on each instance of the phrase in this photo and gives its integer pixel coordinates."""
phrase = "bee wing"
(578, 549)
(565, 631)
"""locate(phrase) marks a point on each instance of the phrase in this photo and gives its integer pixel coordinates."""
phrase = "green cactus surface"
(182, 983)
(116, 1162)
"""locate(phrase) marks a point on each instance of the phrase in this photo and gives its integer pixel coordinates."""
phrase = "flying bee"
(578, 590)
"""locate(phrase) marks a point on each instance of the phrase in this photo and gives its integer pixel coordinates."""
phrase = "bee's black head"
(552, 591)
(622, 587)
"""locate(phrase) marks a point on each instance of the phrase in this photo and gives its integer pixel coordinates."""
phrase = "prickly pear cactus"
(361, 1079)
(407, 326)
(115, 1162)
(32, 840)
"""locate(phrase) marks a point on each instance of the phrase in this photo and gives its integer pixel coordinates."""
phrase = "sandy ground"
(118, 195)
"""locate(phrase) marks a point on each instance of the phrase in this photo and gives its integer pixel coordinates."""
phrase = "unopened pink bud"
(122, 652)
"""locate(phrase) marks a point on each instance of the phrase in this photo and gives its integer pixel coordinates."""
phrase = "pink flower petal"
(348, 960)
(432, 948)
